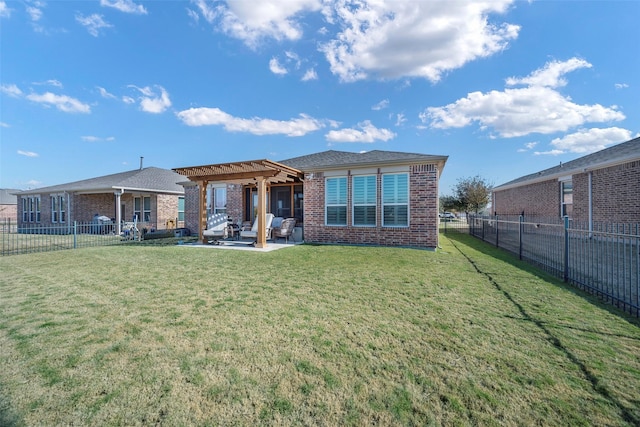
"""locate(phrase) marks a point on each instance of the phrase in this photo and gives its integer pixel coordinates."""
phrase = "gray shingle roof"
(623, 152)
(339, 159)
(149, 179)
(8, 197)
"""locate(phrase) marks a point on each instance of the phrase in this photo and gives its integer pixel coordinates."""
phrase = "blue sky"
(504, 88)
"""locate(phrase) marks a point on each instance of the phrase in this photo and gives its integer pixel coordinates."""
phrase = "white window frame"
(342, 183)
(366, 200)
(396, 200)
(62, 209)
(54, 209)
(140, 208)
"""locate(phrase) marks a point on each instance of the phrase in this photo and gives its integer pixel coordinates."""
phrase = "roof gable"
(150, 179)
(333, 159)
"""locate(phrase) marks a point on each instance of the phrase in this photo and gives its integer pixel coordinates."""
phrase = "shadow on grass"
(511, 259)
(458, 240)
(8, 418)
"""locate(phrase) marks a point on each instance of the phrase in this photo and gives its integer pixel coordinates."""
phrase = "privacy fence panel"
(602, 259)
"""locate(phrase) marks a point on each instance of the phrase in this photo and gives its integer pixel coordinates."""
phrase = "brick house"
(152, 194)
(8, 204)
(603, 186)
(374, 198)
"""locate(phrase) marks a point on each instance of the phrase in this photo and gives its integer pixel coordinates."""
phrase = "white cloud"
(128, 100)
(551, 75)
(381, 105)
(35, 13)
(257, 126)
(11, 90)
(520, 111)
(4, 125)
(400, 119)
(127, 6)
(591, 140)
(93, 23)
(61, 102)
(549, 153)
(276, 68)
(151, 101)
(408, 38)
(310, 74)
(105, 94)
(91, 138)
(366, 132)
(621, 85)
(51, 82)
(27, 153)
(251, 21)
(5, 12)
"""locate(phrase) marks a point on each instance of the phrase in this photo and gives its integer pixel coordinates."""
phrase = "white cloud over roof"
(63, 103)
(205, 116)
(93, 23)
(126, 6)
(513, 112)
(365, 132)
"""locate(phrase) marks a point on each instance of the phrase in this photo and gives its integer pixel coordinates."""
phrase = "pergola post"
(202, 208)
(261, 240)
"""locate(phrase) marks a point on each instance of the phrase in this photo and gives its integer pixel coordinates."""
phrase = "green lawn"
(308, 335)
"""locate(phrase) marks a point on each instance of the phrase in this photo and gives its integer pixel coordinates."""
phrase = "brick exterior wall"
(9, 212)
(192, 205)
(539, 199)
(423, 214)
(615, 196)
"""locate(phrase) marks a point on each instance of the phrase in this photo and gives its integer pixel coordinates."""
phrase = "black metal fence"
(602, 259)
(16, 240)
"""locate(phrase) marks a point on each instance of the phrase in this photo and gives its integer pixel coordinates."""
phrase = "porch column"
(118, 216)
(202, 186)
(261, 240)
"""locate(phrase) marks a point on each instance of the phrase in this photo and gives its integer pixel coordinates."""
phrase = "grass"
(309, 335)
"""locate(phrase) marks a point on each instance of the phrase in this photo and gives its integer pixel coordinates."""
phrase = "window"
(395, 200)
(25, 209)
(336, 201)
(54, 208)
(566, 198)
(62, 205)
(142, 208)
(364, 200)
(217, 199)
(180, 208)
(31, 209)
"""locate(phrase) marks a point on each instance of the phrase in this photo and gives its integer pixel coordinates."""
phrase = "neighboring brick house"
(374, 198)
(600, 187)
(8, 204)
(152, 194)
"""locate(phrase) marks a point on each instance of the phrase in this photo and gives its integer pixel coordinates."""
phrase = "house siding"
(615, 196)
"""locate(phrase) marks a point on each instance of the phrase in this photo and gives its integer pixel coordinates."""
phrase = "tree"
(450, 203)
(473, 193)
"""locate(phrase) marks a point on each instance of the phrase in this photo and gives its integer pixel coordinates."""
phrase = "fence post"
(75, 234)
(566, 249)
(520, 230)
(497, 229)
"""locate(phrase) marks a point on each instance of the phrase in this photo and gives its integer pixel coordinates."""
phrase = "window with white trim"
(180, 208)
(364, 200)
(54, 208)
(395, 200)
(142, 208)
(25, 209)
(62, 206)
(336, 201)
(31, 209)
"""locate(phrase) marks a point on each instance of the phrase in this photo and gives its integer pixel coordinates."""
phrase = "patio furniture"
(253, 233)
(285, 229)
(217, 228)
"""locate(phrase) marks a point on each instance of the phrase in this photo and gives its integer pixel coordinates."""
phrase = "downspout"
(590, 201)
(118, 213)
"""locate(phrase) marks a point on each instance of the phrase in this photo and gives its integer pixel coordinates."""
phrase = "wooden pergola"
(259, 172)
